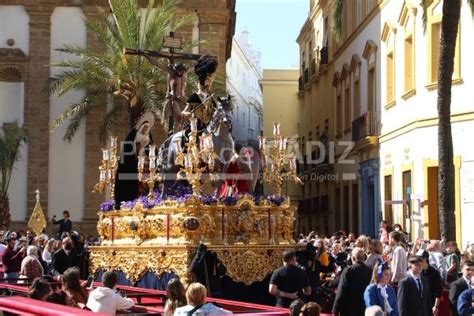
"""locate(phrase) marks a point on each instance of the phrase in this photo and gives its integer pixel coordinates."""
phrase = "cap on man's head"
(423, 254)
(414, 259)
(288, 255)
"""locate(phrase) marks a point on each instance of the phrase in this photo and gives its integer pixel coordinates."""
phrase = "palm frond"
(337, 8)
(471, 5)
(11, 139)
(76, 114)
(109, 120)
(424, 18)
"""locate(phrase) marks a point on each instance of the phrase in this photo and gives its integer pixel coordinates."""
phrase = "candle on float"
(152, 151)
(187, 161)
(141, 162)
(293, 163)
(152, 164)
(177, 145)
(261, 141)
(113, 142)
(202, 143)
(276, 129)
(102, 176)
(209, 142)
(193, 124)
(105, 154)
(110, 175)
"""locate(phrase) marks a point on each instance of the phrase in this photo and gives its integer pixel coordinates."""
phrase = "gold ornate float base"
(244, 263)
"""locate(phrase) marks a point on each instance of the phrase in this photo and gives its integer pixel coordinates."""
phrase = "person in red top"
(237, 174)
(12, 259)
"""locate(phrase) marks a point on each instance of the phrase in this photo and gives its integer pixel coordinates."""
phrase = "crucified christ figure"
(175, 94)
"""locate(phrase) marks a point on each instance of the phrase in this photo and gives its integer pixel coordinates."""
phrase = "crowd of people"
(375, 276)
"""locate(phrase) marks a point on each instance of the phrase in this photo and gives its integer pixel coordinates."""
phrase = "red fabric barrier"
(23, 305)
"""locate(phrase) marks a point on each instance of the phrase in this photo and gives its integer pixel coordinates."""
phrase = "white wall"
(66, 160)
(14, 24)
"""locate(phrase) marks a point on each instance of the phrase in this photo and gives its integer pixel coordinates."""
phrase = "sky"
(273, 27)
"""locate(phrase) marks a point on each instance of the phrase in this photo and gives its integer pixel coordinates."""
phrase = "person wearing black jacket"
(63, 258)
(414, 291)
(434, 280)
(208, 270)
(65, 224)
(350, 291)
(460, 285)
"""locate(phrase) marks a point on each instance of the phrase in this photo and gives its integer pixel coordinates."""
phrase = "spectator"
(310, 309)
(374, 311)
(59, 297)
(460, 285)
(63, 258)
(31, 268)
(437, 260)
(39, 289)
(295, 307)
(12, 259)
(363, 242)
(3, 248)
(72, 287)
(399, 228)
(414, 291)
(176, 296)
(434, 280)
(65, 224)
(196, 297)
(466, 303)
(288, 281)
(375, 253)
(354, 280)
(383, 232)
(452, 262)
(48, 251)
(105, 299)
(380, 292)
(399, 257)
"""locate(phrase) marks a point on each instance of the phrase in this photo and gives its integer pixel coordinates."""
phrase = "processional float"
(152, 233)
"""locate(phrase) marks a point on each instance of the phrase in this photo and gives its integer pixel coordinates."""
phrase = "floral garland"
(181, 193)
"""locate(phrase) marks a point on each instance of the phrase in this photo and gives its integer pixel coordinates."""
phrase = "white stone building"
(243, 76)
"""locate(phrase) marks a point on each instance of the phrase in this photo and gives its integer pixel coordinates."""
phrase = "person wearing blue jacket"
(380, 292)
(466, 301)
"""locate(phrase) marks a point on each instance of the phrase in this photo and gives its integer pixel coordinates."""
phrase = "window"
(371, 90)
(356, 99)
(388, 197)
(390, 78)
(339, 112)
(409, 69)
(406, 187)
(347, 106)
(388, 37)
(434, 16)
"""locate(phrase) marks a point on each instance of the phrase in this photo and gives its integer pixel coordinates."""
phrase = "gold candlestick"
(153, 176)
(108, 168)
(283, 164)
(194, 158)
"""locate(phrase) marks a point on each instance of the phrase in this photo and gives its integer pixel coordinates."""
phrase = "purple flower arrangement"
(181, 193)
(107, 205)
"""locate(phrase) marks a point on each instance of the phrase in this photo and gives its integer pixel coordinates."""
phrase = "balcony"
(364, 132)
(300, 83)
(306, 76)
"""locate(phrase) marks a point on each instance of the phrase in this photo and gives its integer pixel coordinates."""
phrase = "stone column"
(37, 103)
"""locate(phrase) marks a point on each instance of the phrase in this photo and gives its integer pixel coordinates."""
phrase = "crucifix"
(176, 81)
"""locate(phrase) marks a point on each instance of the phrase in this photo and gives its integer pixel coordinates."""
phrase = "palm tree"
(123, 82)
(449, 32)
(10, 142)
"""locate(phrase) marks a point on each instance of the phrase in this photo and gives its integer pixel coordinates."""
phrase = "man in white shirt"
(398, 264)
(105, 299)
(437, 259)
